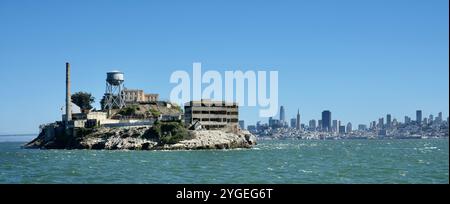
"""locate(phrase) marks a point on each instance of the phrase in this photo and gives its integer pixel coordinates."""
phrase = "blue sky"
(359, 59)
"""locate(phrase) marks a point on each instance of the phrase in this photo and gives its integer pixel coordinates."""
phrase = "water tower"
(114, 86)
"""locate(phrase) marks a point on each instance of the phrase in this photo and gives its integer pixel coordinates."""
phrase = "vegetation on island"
(83, 100)
(154, 113)
(129, 110)
(168, 132)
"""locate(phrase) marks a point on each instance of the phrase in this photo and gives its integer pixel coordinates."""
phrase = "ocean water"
(278, 161)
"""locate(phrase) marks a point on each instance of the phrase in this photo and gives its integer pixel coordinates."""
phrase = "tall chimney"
(68, 97)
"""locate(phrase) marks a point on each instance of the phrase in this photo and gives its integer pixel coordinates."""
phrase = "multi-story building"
(242, 124)
(419, 116)
(211, 114)
(312, 125)
(326, 120)
(293, 122)
(341, 129)
(335, 126)
(282, 114)
(388, 120)
(138, 96)
(362, 127)
(407, 120)
(349, 127)
(381, 123)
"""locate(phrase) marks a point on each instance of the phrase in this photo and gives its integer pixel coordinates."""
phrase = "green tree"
(83, 100)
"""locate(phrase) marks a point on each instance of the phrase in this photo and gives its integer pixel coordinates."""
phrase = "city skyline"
(385, 120)
(359, 59)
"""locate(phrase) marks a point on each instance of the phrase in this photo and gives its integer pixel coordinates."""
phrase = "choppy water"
(294, 161)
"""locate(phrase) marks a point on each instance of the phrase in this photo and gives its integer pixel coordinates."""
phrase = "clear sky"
(360, 59)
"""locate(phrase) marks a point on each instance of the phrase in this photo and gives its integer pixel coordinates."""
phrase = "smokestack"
(68, 97)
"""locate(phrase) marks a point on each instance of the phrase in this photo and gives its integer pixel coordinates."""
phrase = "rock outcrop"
(139, 138)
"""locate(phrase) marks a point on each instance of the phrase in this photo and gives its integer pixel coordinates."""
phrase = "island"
(160, 136)
(130, 119)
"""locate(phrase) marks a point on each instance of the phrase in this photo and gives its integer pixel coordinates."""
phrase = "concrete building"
(381, 123)
(298, 120)
(312, 125)
(373, 125)
(388, 120)
(242, 124)
(341, 129)
(211, 114)
(419, 116)
(362, 127)
(293, 123)
(335, 126)
(282, 114)
(407, 120)
(349, 127)
(252, 129)
(326, 120)
(138, 96)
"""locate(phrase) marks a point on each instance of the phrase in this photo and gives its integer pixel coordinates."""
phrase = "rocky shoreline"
(137, 138)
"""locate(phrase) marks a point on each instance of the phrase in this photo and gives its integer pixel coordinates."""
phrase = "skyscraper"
(341, 129)
(298, 120)
(373, 125)
(381, 123)
(388, 120)
(362, 127)
(349, 127)
(407, 120)
(242, 124)
(326, 120)
(293, 123)
(312, 125)
(419, 116)
(440, 117)
(335, 126)
(282, 115)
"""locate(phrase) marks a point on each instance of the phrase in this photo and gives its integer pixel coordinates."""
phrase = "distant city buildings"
(326, 128)
(407, 120)
(242, 124)
(282, 114)
(439, 118)
(388, 120)
(373, 125)
(293, 123)
(341, 129)
(349, 127)
(326, 120)
(252, 129)
(362, 127)
(381, 123)
(419, 116)
(334, 126)
(312, 125)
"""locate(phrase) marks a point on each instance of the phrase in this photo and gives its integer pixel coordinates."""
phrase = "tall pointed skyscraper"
(298, 120)
(282, 114)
